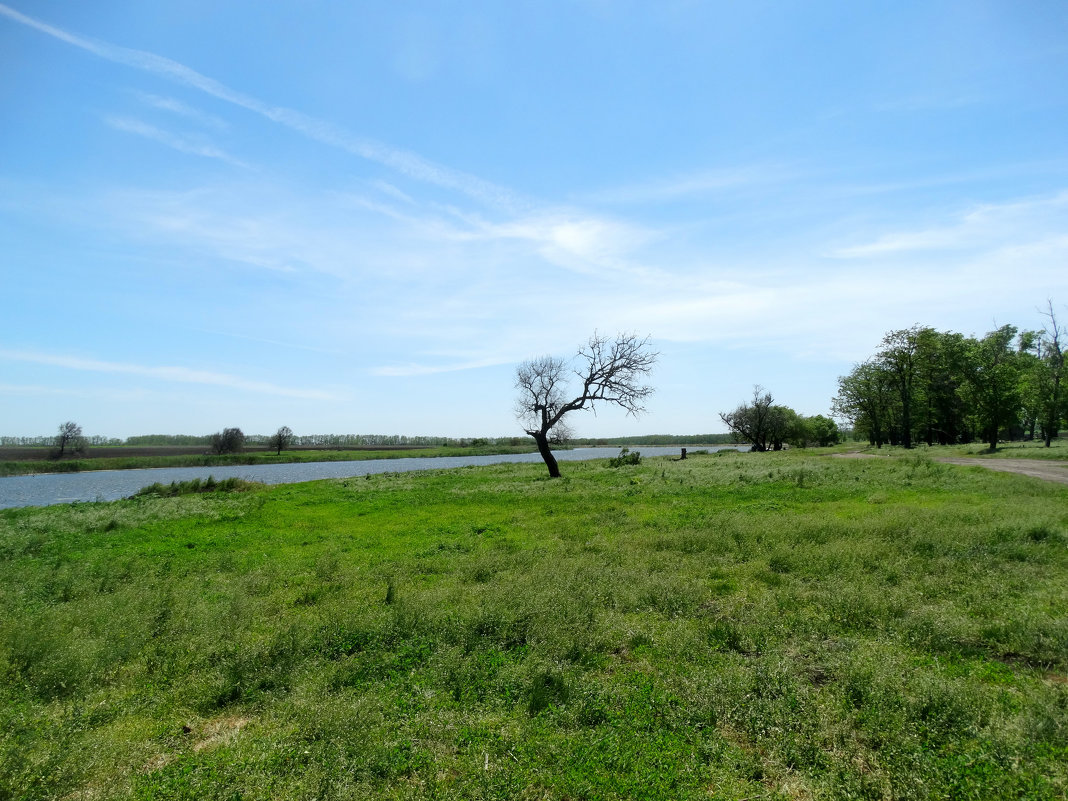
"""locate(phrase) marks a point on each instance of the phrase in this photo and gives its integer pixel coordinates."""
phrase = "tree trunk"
(1051, 419)
(546, 453)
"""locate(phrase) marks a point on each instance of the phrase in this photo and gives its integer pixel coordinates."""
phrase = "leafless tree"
(1052, 375)
(69, 437)
(281, 440)
(611, 372)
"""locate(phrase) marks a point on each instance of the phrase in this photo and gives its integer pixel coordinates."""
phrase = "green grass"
(733, 626)
(30, 466)
(1057, 451)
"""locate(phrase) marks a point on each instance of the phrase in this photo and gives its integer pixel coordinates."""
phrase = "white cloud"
(178, 107)
(404, 370)
(405, 162)
(929, 102)
(987, 227)
(124, 395)
(701, 182)
(389, 189)
(265, 341)
(172, 140)
(568, 238)
(181, 375)
(572, 239)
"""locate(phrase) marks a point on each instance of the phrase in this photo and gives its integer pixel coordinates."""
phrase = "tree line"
(337, 441)
(769, 426)
(942, 387)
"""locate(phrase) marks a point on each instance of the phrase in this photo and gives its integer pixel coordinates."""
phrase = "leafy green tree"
(865, 399)
(940, 357)
(764, 424)
(898, 359)
(1032, 382)
(751, 422)
(281, 439)
(229, 440)
(784, 426)
(821, 431)
(994, 379)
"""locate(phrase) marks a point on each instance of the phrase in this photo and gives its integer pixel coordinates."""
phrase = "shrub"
(196, 486)
(626, 457)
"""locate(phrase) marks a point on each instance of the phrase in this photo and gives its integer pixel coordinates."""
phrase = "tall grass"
(738, 626)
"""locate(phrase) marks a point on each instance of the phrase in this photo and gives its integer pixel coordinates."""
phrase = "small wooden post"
(683, 453)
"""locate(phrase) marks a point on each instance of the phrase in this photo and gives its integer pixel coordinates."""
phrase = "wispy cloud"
(345, 234)
(931, 239)
(928, 102)
(698, 183)
(405, 162)
(124, 395)
(389, 189)
(989, 173)
(178, 107)
(181, 375)
(172, 140)
(988, 226)
(293, 345)
(573, 239)
(583, 243)
(404, 370)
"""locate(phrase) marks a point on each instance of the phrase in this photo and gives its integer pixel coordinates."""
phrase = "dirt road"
(1036, 468)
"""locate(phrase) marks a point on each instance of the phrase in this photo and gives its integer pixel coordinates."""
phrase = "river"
(45, 489)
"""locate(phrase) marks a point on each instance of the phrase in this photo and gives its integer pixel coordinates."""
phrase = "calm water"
(109, 485)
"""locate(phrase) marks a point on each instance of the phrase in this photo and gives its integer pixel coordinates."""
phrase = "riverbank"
(110, 485)
(183, 456)
(746, 625)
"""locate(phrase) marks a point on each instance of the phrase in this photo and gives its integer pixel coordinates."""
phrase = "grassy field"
(25, 461)
(736, 626)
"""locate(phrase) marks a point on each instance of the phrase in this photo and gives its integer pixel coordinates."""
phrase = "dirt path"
(1036, 468)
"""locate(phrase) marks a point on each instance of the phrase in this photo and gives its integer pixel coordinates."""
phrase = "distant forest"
(341, 441)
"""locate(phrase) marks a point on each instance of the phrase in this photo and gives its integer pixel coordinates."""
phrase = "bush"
(626, 457)
(195, 487)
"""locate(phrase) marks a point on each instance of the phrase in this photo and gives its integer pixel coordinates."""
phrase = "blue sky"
(358, 218)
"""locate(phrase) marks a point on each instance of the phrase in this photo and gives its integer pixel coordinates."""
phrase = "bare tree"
(1051, 374)
(69, 436)
(611, 372)
(281, 440)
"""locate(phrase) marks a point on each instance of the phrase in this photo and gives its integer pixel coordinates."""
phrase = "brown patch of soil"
(1035, 468)
(219, 731)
